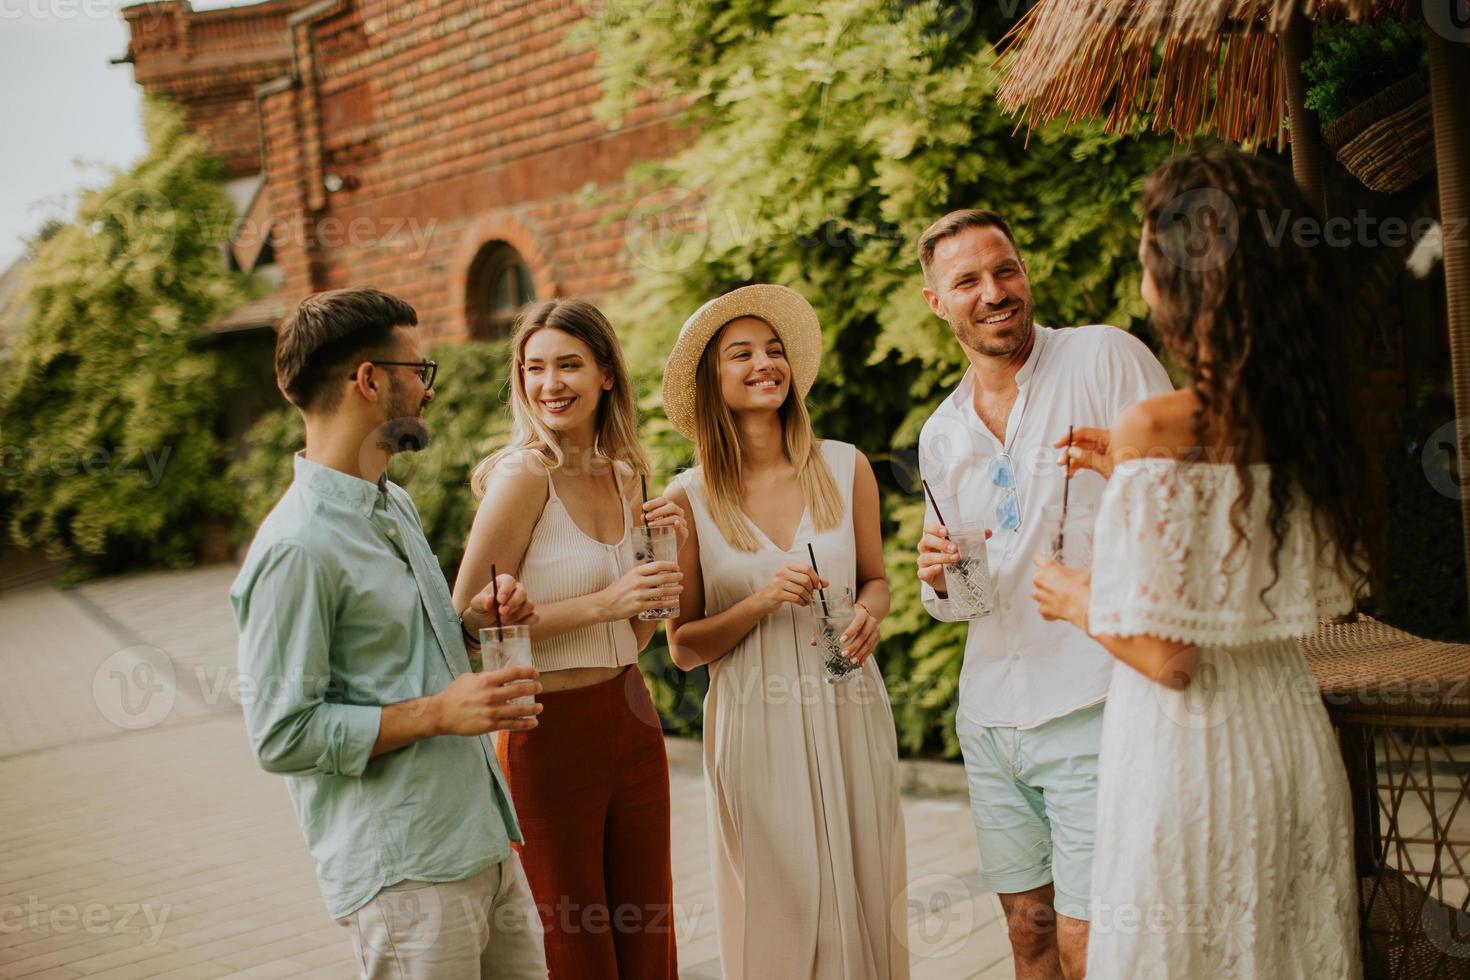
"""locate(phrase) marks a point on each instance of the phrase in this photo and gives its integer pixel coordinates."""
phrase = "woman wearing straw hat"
(802, 775)
(591, 782)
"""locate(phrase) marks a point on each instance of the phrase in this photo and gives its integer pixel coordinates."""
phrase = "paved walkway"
(138, 838)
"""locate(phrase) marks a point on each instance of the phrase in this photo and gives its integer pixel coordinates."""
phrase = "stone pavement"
(138, 838)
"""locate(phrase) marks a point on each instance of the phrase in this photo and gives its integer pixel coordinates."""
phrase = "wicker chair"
(1401, 708)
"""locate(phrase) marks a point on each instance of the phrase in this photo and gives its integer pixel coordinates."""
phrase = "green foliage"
(829, 137)
(1351, 63)
(111, 411)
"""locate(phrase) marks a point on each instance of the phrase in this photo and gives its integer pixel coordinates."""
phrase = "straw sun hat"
(788, 313)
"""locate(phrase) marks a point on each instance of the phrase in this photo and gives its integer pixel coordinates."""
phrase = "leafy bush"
(829, 137)
(110, 414)
(1351, 63)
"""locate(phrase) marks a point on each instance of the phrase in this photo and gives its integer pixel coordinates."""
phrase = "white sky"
(66, 114)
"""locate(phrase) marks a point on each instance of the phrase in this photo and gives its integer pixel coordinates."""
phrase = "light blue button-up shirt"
(342, 609)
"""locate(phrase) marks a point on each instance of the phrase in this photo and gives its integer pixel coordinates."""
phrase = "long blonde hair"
(718, 451)
(617, 420)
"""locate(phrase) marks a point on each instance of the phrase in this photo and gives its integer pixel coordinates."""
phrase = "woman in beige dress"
(806, 829)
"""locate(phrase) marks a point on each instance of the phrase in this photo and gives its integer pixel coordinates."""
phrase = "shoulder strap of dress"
(622, 499)
(841, 459)
(532, 457)
(693, 486)
(617, 479)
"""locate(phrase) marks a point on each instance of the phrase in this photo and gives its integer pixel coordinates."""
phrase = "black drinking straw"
(934, 502)
(644, 477)
(821, 592)
(1066, 488)
(495, 585)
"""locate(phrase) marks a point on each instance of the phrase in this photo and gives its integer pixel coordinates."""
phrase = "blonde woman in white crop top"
(590, 783)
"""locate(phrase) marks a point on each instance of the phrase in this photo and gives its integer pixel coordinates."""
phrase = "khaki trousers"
(484, 926)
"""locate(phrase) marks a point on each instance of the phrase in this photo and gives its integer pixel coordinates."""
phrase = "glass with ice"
(652, 544)
(971, 591)
(834, 615)
(507, 646)
(1070, 530)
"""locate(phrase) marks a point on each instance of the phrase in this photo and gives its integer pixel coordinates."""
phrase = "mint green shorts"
(1033, 795)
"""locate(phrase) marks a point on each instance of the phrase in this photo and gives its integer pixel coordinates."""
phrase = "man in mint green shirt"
(356, 668)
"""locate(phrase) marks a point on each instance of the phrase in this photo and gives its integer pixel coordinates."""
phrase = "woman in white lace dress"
(1233, 520)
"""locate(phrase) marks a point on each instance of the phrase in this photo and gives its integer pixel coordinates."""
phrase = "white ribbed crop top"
(563, 562)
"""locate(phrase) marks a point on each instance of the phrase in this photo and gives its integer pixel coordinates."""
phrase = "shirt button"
(367, 509)
(392, 532)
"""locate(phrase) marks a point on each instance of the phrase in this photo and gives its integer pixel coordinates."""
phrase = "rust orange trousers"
(591, 789)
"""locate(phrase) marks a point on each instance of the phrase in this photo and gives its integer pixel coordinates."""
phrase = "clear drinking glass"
(971, 591)
(1069, 542)
(507, 646)
(652, 544)
(834, 616)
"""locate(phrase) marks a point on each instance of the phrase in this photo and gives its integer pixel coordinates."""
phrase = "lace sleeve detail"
(1164, 564)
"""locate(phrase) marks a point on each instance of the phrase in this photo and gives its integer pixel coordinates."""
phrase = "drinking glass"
(1069, 541)
(968, 582)
(652, 544)
(834, 615)
(507, 646)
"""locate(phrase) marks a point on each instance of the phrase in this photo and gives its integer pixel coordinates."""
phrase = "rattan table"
(1401, 708)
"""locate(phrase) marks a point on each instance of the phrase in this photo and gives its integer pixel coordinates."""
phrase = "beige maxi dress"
(806, 828)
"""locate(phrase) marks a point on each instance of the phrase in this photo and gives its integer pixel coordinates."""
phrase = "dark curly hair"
(1259, 323)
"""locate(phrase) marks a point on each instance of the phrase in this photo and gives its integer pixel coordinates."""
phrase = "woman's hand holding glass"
(793, 583)
(516, 607)
(1061, 592)
(663, 512)
(860, 639)
(1091, 449)
(652, 585)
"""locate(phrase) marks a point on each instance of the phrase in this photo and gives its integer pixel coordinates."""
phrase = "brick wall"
(211, 62)
(444, 124)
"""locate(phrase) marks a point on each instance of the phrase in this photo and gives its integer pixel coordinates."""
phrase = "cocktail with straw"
(652, 544)
(504, 646)
(967, 580)
(1072, 544)
(835, 613)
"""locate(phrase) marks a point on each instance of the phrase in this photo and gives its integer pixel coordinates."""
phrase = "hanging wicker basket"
(1387, 142)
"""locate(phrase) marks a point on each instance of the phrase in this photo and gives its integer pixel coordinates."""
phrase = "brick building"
(446, 151)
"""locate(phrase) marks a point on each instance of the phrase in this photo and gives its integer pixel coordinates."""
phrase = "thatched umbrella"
(1233, 67)
(1219, 66)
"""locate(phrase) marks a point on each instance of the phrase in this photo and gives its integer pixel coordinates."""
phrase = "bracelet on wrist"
(471, 638)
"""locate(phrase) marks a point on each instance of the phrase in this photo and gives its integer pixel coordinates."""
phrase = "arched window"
(498, 285)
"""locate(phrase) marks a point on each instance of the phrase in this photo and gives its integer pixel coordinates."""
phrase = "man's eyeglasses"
(428, 370)
(1003, 475)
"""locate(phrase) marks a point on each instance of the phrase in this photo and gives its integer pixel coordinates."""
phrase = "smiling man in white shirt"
(1031, 691)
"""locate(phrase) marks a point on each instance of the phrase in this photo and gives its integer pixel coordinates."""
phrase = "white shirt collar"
(963, 397)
